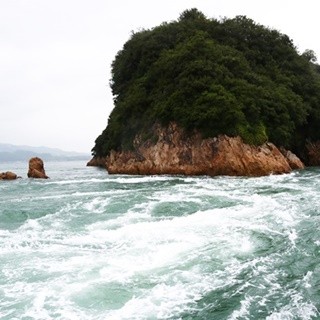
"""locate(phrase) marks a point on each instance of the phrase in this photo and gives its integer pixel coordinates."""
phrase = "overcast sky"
(55, 57)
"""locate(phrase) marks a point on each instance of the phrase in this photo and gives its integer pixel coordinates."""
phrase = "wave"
(127, 247)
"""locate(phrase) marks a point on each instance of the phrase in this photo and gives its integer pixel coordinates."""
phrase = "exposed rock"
(97, 162)
(294, 162)
(313, 150)
(178, 153)
(36, 169)
(8, 176)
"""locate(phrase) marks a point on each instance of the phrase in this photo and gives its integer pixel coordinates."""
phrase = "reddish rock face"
(178, 153)
(36, 169)
(313, 150)
(293, 160)
(97, 162)
(8, 176)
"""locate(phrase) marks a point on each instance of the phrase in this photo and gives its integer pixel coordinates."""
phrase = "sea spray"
(88, 245)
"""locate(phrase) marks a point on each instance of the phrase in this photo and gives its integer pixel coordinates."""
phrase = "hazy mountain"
(9, 152)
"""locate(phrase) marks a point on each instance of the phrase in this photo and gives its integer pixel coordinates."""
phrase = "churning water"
(88, 245)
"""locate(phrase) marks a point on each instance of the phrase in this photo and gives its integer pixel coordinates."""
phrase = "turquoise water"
(88, 245)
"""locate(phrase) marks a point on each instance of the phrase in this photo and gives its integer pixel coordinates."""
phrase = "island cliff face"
(205, 81)
(176, 152)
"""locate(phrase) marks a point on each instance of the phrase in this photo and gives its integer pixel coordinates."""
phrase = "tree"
(232, 76)
(310, 55)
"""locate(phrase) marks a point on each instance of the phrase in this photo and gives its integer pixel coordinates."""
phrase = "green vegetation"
(232, 77)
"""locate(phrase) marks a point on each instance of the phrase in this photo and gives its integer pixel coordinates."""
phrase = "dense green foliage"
(232, 77)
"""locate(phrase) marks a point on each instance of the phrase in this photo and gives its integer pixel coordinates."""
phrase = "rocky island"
(36, 169)
(178, 153)
(8, 175)
(216, 97)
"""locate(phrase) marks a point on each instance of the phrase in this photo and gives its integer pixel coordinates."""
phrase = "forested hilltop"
(229, 76)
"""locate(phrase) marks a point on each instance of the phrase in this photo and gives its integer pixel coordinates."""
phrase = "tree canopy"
(229, 76)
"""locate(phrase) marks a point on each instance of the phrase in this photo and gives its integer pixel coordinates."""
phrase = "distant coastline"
(10, 153)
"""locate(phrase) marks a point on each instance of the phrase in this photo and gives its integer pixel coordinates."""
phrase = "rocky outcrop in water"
(175, 152)
(8, 176)
(97, 162)
(293, 160)
(36, 169)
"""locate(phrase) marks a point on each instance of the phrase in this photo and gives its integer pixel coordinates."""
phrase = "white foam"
(297, 308)
(97, 205)
(306, 279)
(166, 300)
(166, 263)
(37, 311)
(143, 179)
(32, 225)
(75, 181)
(293, 236)
(243, 312)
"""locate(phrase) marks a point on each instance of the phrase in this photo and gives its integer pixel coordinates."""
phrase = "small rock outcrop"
(8, 176)
(97, 162)
(294, 162)
(175, 152)
(36, 169)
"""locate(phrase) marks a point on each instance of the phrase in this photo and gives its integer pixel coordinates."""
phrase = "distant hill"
(9, 152)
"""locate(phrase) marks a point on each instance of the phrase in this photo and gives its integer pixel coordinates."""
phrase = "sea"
(88, 245)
